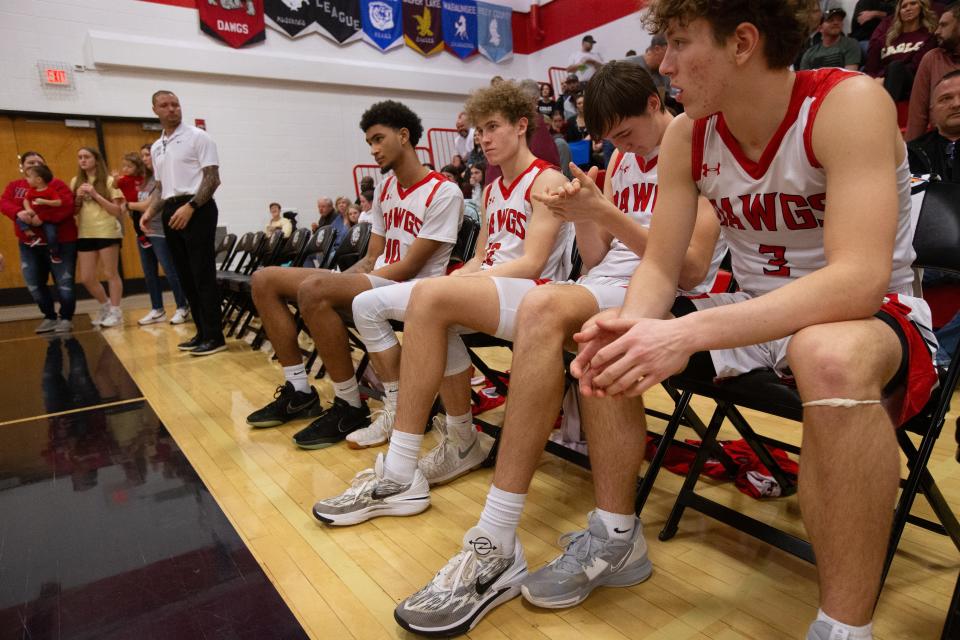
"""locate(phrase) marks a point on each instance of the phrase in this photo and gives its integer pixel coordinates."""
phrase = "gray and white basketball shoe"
(371, 495)
(473, 582)
(590, 560)
(452, 458)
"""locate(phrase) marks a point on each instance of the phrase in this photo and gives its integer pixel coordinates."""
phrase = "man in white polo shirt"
(186, 168)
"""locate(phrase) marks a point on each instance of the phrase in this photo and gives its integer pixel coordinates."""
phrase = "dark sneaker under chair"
(190, 344)
(208, 347)
(288, 404)
(480, 577)
(333, 424)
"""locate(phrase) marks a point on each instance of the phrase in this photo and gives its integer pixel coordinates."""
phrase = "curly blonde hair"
(506, 98)
(782, 23)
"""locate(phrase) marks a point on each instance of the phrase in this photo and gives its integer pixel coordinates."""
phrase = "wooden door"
(58, 144)
(121, 138)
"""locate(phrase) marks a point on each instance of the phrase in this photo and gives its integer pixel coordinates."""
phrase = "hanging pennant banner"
(291, 17)
(422, 28)
(382, 23)
(494, 31)
(460, 27)
(338, 20)
(235, 22)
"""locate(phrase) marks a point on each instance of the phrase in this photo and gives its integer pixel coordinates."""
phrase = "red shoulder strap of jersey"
(820, 83)
(386, 187)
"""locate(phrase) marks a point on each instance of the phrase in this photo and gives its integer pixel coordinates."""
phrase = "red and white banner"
(238, 23)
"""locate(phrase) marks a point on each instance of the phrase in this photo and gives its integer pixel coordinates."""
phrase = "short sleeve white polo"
(179, 159)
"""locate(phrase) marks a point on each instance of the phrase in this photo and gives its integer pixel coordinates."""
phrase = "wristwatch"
(193, 204)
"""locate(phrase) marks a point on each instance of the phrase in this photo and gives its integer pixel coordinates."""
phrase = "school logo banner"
(234, 22)
(422, 28)
(460, 27)
(494, 31)
(291, 17)
(382, 23)
(338, 20)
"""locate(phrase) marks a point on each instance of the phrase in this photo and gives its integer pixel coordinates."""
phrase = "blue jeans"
(150, 258)
(36, 267)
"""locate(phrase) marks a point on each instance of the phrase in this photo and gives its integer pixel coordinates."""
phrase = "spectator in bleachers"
(651, 59)
(476, 156)
(936, 151)
(558, 124)
(630, 52)
(585, 62)
(463, 141)
(540, 142)
(867, 16)
(895, 54)
(831, 48)
(476, 182)
(815, 18)
(458, 165)
(353, 215)
(278, 222)
(547, 102)
(326, 213)
(341, 223)
(936, 64)
(577, 126)
(567, 100)
(366, 204)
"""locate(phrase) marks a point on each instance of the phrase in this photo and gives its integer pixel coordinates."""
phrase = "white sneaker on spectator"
(180, 316)
(48, 324)
(64, 326)
(102, 312)
(155, 315)
(451, 458)
(113, 318)
(376, 434)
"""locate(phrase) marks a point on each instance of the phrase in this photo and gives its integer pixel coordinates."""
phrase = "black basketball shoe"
(333, 425)
(288, 404)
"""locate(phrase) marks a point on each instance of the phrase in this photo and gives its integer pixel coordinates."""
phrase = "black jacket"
(934, 154)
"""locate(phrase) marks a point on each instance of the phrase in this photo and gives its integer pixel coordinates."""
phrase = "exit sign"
(55, 74)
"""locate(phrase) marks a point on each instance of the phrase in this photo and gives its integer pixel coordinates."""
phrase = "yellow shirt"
(93, 221)
(280, 223)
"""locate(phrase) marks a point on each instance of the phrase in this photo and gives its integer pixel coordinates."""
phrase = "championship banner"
(382, 23)
(460, 27)
(338, 20)
(291, 17)
(234, 22)
(422, 28)
(494, 31)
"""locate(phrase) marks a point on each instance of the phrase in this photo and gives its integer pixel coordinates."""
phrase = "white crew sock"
(402, 455)
(348, 390)
(461, 427)
(390, 392)
(619, 525)
(501, 516)
(297, 376)
(842, 631)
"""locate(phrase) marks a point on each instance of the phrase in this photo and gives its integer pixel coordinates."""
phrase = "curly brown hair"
(506, 98)
(782, 23)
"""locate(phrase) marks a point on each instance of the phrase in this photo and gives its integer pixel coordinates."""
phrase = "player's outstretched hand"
(574, 201)
(644, 353)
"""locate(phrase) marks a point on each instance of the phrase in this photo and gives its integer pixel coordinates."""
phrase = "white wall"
(284, 113)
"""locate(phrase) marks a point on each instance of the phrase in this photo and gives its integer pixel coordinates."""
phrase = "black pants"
(898, 81)
(193, 254)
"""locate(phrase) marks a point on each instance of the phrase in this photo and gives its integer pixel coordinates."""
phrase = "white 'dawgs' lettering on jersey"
(398, 217)
(644, 197)
(770, 211)
(509, 220)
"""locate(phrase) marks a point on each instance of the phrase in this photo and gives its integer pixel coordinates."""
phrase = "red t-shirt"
(11, 203)
(45, 211)
(129, 186)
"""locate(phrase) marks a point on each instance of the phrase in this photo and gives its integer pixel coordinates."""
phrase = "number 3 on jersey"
(778, 261)
(392, 251)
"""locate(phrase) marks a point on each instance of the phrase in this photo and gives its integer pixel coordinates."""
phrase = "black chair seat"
(759, 390)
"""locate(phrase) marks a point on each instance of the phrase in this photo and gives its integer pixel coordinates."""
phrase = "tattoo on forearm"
(364, 265)
(153, 204)
(209, 184)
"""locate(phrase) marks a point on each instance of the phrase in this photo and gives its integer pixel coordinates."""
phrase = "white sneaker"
(376, 434)
(451, 458)
(155, 315)
(48, 325)
(97, 320)
(480, 577)
(180, 316)
(371, 495)
(113, 318)
(64, 326)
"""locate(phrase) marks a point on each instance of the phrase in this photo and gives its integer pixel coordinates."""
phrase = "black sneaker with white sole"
(333, 424)
(208, 347)
(190, 344)
(288, 404)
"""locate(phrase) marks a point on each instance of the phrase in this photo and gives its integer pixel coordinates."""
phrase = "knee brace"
(370, 315)
(458, 358)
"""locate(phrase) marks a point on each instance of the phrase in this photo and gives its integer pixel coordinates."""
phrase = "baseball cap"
(589, 39)
(834, 11)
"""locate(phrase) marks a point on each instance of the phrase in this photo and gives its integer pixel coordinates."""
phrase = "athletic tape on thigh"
(841, 403)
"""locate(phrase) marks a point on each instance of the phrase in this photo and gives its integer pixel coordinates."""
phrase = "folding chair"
(936, 240)
(224, 250)
(239, 285)
(247, 248)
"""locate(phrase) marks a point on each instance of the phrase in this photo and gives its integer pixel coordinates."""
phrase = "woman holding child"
(36, 260)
